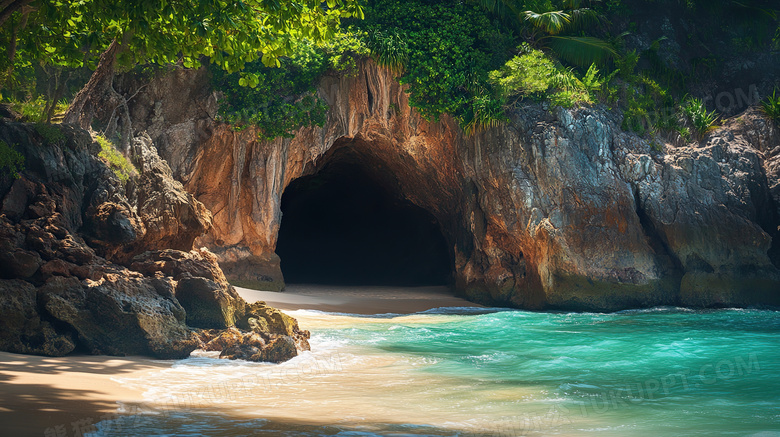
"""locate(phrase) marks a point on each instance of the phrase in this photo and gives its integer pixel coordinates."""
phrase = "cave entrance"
(348, 225)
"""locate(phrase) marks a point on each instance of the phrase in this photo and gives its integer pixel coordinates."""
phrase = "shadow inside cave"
(347, 225)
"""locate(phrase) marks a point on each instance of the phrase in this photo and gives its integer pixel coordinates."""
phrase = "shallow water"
(665, 371)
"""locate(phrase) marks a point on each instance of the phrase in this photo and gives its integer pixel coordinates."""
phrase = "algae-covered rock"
(261, 318)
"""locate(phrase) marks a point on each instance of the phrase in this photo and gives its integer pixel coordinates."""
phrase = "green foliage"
(11, 161)
(648, 107)
(486, 112)
(443, 50)
(771, 106)
(30, 109)
(34, 109)
(582, 50)
(626, 64)
(552, 22)
(561, 23)
(344, 50)
(533, 74)
(529, 74)
(696, 117)
(276, 100)
(61, 37)
(117, 162)
(51, 134)
(230, 33)
(593, 81)
(389, 50)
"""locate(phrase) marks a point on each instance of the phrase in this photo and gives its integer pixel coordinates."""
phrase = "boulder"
(268, 321)
(121, 314)
(21, 328)
(209, 300)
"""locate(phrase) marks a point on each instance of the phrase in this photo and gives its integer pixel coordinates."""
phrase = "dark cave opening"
(342, 226)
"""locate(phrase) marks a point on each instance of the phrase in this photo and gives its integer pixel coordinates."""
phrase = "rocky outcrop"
(85, 260)
(555, 209)
(209, 300)
(163, 215)
(266, 334)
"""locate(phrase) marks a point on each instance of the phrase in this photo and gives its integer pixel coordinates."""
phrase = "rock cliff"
(554, 209)
(92, 264)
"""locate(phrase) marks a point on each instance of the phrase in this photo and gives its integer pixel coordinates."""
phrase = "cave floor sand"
(357, 299)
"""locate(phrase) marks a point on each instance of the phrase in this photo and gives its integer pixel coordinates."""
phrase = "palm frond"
(582, 50)
(582, 18)
(505, 9)
(553, 22)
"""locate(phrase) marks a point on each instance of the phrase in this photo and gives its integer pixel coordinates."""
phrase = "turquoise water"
(664, 371)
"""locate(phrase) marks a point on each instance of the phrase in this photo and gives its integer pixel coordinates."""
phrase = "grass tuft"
(117, 162)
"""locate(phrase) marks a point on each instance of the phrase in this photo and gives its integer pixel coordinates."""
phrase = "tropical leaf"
(583, 18)
(506, 10)
(494, 6)
(553, 22)
(582, 50)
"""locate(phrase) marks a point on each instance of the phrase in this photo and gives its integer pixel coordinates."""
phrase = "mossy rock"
(267, 320)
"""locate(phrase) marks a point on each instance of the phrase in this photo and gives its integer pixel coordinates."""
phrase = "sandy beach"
(357, 299)
(64, 396)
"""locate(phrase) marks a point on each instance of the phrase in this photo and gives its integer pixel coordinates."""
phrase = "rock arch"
(555, 209)
(348, 221)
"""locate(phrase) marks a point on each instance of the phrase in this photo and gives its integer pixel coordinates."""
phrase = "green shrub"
(51, 134)
(343, 51)
(276, 100)
(696, 117)
(117, 162)
(771, 106)
(533, 74)
(11, 161)
(34, 109)
(443, 51)
(530, 74)
(389, 50)
(486, 112)
(30, 109)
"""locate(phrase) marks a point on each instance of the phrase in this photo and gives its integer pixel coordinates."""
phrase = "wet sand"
(63, 396)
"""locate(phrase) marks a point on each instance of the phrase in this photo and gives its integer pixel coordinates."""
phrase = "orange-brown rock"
(557, 208)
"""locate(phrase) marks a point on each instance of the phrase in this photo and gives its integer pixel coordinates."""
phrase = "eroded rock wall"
(92, 264)
(554, 209)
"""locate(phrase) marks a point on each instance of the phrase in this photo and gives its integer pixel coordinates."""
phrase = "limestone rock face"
(22, 329)
(60, 222)
(172, 216)
(555, 209)
(209, 300)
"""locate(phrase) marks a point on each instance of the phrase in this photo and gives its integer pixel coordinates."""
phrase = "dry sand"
(45, 396)
(42, 395)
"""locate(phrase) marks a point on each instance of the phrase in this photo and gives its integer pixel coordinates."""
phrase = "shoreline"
(66, 396)
(362, 300)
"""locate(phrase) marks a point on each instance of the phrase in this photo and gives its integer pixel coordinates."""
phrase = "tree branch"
(8, 7)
